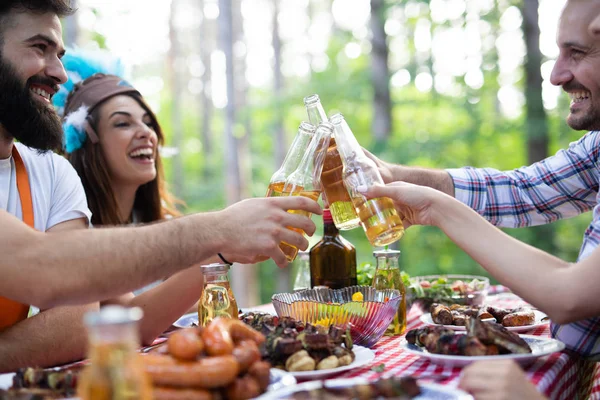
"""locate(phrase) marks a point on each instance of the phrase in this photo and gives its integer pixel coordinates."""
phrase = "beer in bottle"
(292, 159)
(333, 258)
(338, 200)
(305, 180)
(387, 276)
(378, 216)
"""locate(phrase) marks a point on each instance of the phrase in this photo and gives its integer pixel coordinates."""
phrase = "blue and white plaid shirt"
(561, 186)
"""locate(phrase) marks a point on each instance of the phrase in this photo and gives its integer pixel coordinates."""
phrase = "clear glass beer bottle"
(306, 179)
(387, 276)
(334, 191)
(116, 370)
(292, 159)
(378, 216)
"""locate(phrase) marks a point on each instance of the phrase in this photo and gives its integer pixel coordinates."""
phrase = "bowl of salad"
(448, 289)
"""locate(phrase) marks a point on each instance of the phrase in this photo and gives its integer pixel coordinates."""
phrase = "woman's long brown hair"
(153, 202)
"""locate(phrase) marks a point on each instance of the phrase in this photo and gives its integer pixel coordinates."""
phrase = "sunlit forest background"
(439, 83)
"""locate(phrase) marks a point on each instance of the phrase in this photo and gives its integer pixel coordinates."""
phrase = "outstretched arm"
(98, 264)
(565, 294)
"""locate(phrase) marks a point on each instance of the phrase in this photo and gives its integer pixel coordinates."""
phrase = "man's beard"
(30, 122)
(583, 119)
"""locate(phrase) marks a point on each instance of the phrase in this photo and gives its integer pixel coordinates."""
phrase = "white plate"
(279, 380)
(186, 320)
(426, 319)
(540, 346)
(363, 357)
(429, 391)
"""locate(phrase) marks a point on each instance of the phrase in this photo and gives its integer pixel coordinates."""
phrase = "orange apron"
(12, 312)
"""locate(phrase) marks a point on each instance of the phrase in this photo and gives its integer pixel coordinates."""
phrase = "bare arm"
(98, 264)
(53, 337)
(163, 304)
(565, 294)
(434, 178)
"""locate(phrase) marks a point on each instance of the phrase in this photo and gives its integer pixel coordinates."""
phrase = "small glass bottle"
(306, 179)
(116, 370)
(217, 299)
(292, 159)
(378, 216)
(302, 281)
(333, 258)
(387, 276)
(334, 190)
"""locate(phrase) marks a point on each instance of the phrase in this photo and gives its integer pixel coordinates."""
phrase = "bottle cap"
(313, 98)
(214, 268)
(113, 315)
(386, 253)
(327, 218)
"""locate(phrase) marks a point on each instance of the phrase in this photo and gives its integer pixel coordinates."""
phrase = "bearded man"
(562, 186)
(36, 185)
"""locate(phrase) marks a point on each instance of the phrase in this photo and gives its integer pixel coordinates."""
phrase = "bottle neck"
(387, 262)
(316, 113)
(329, 229)
(216, 278)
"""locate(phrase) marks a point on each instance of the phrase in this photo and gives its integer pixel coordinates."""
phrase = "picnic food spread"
(481, 339)
(457, 314)
(222, 359)
(391, 388)
(294, 346)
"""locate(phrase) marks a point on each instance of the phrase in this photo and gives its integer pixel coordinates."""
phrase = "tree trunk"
(71, 27)
(206, 104)
(243, 280)
(174, 76)
(283, 274)
(536, 121)
(382, 108)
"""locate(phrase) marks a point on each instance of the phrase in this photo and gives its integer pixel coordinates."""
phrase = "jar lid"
(113, 315)
(386, 253)
(214, 268)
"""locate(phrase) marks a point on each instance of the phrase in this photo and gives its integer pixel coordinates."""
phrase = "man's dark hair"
(61, 8)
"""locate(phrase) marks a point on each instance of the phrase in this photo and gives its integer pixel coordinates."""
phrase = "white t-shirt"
(56, 190)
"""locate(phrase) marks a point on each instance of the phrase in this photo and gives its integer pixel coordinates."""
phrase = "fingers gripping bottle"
(343, 213)
(378, 216)
(306, 179)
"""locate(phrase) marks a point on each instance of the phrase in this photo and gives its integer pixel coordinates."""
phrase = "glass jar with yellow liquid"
(116, 370)
(334, 190)
(387, 276)
(217, 299)
(378, 217)
(306, 179)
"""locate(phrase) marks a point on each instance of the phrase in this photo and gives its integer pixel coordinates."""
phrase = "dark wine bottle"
(333, 258)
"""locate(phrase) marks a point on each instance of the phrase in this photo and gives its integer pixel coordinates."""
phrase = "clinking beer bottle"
(292, 159)
(333, 258)
(334, 191)
(378, 216)
(305, 180)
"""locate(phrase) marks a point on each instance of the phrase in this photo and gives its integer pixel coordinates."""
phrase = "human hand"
(498, 380)
(385, 168)
(414, 203)
(255, 227)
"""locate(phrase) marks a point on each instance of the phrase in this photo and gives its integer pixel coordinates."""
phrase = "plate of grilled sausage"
(521, 319)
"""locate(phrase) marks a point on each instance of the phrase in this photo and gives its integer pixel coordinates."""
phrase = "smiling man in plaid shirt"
(561, 186)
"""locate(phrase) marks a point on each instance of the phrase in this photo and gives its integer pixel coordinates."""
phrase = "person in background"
(112, 139)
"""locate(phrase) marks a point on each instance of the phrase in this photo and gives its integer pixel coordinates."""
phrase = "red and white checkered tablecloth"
(555, 375)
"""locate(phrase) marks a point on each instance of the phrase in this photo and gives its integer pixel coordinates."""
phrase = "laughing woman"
(112, 139)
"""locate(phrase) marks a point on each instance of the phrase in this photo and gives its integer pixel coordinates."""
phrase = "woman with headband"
(112, 139)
